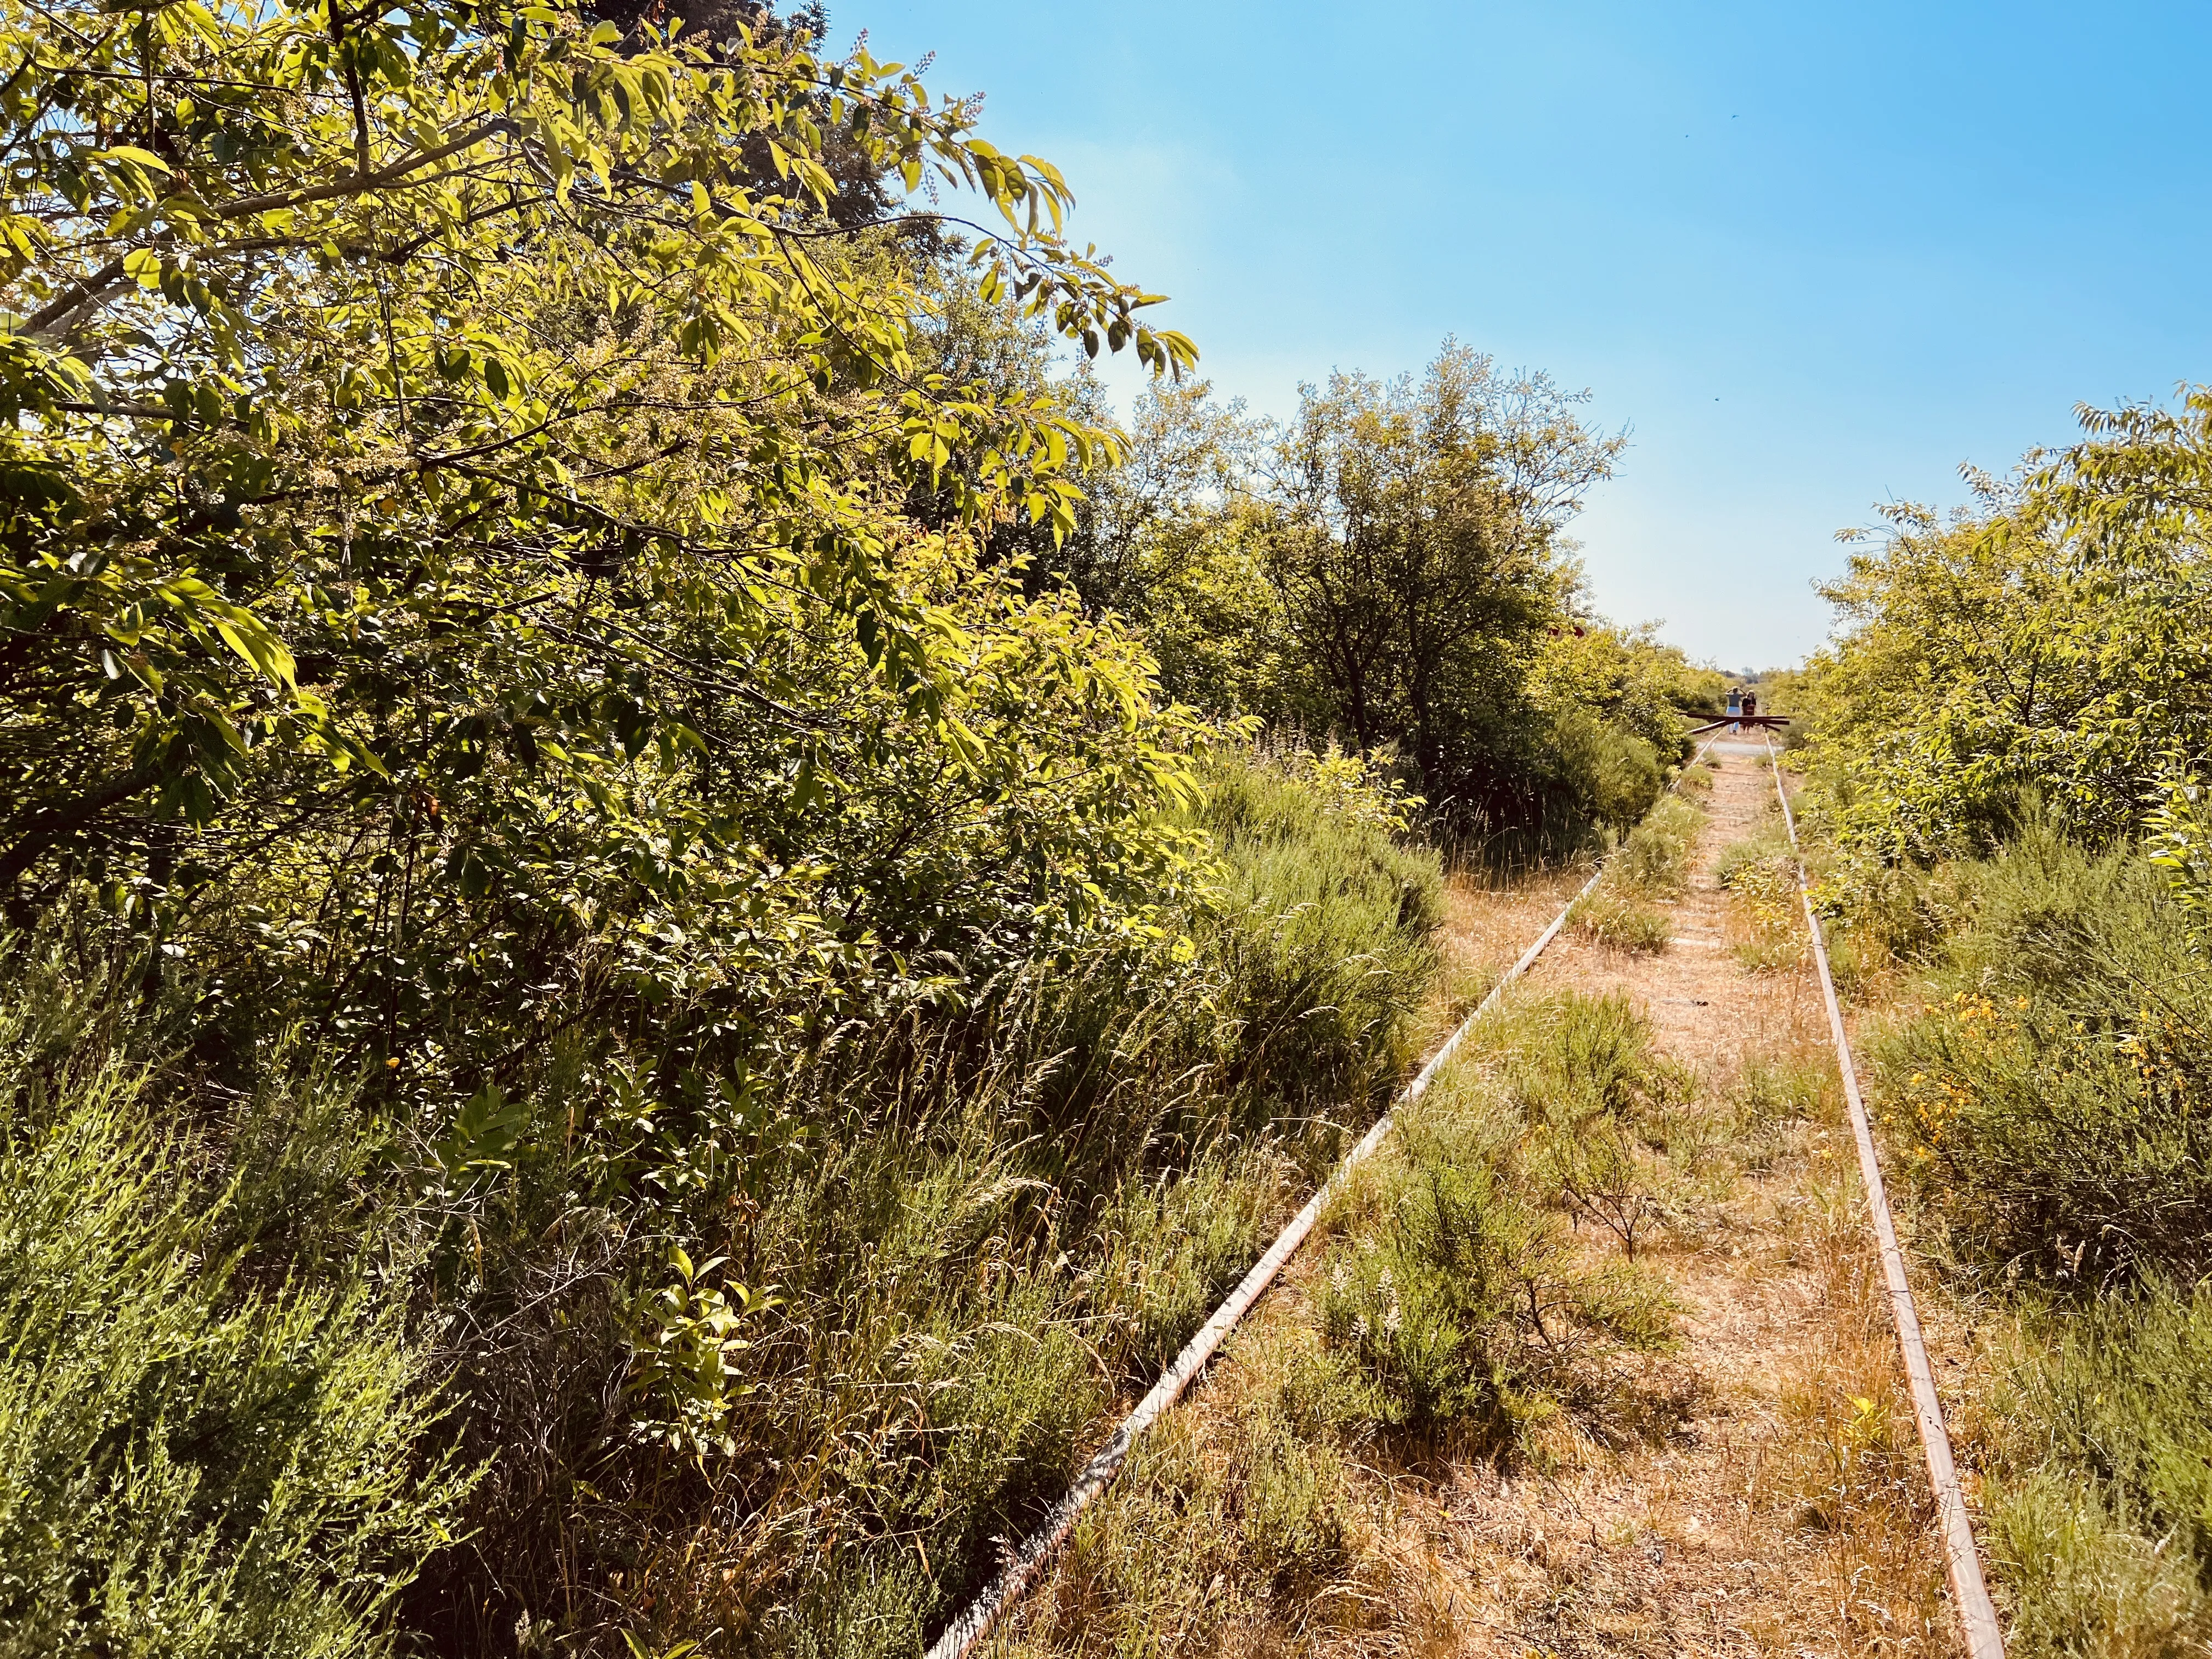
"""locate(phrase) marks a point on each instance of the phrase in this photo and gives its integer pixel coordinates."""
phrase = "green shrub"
(1579, 778)
(1458, 1302)
(925, 1250)
(1604, 1173)
(1654, 861)
(2083, 1584)
(1419, 1304)
(1770, 1091)
(2048, 1089)
(1621, 777)
(1574, 1057)
(2102, 1526)
(198, 1465)
(1760, 875)
(1760, 866)
(1595, 1105)
(1324, 935)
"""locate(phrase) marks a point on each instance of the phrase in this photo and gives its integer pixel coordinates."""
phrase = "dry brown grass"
(1487, 923)
(1848, 1468)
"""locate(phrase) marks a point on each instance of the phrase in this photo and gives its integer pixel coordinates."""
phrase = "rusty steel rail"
(1970, 1594)
(1027, 1562)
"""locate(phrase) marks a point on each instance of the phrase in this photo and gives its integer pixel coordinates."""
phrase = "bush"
(2101, 1526)
(1594, 1102)
(1577, 1057)
(1601, 777)
(1656, 860)
(1419, 1304)
(1759, 866)
(198, 1465)
(1323, 931)
(1619, 922)
(1457, 1300)
(672, 1303)
(1767, 922)
(2047, 1091)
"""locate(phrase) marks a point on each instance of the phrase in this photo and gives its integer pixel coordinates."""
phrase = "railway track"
(1978, 1625)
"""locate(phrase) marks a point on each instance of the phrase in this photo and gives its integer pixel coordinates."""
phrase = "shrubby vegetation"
(2047, 643)
(2005, 747)
(2042, 1092)
(1392, 566)
(650, 948)
(948, 1239)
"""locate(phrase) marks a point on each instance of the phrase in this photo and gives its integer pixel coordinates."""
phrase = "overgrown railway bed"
(1764, 1487)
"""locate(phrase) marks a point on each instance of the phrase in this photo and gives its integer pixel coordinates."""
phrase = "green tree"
(1418, 552)
(445, 480)
(459, 617)
(339, 334)
(2047, 644)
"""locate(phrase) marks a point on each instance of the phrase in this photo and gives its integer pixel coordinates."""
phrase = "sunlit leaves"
(2049, 648)
(396, 281)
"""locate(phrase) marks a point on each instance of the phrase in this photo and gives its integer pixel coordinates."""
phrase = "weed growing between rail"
(1766, 923)
(1652, 864)
(1452, 1311)
(1847, 1469)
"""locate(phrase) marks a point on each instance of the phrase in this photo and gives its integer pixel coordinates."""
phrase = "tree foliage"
(438, 456)
(461, 625)
(1416, 553)
(2049, 644)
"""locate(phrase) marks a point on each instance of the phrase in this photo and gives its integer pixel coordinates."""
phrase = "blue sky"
(1816, 256)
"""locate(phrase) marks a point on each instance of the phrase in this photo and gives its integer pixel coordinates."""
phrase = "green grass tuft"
(1655, 861)
(1620, 923)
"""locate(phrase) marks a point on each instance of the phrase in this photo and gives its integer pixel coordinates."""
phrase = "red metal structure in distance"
(1742, 715)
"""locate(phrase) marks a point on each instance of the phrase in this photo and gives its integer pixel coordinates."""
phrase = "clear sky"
(1816, 256)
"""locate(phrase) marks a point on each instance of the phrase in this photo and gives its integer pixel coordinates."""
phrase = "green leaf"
(135, 157)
